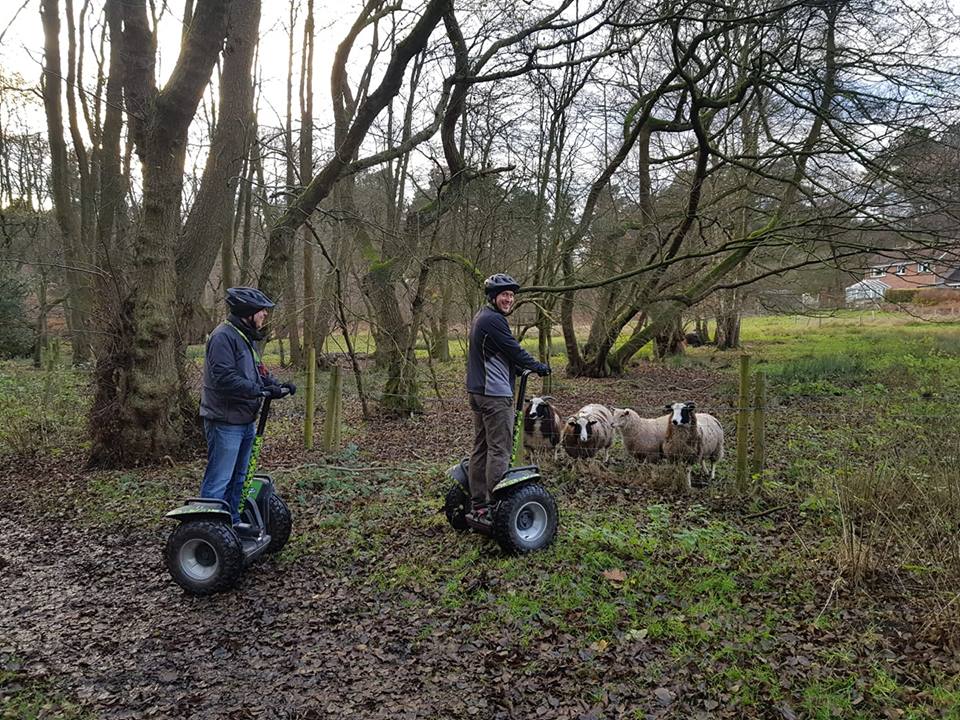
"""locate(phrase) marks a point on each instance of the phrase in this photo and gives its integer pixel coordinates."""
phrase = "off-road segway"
(523, 515)
(207, 552)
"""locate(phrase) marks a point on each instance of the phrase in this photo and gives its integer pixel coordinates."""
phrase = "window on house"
(923, 267)
(901, 269)
(879, 271)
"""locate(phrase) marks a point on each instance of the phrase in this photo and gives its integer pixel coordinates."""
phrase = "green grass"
(43, 411)
(23, 698)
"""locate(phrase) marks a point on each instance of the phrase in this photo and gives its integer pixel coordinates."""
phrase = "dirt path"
(101, 615)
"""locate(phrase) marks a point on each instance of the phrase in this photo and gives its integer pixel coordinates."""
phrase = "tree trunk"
(306, 171)
(728, 320)
(400, 394)
(136, 415)
(208, 229)
(289, 307)
(669, 341)
(67, 216)
(440, 330)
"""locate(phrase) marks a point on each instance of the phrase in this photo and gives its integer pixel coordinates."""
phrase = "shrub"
(937, 296)
(900, 296)
(16, 331)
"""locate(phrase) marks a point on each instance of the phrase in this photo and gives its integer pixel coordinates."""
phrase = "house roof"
(885, 258)
(877, 286)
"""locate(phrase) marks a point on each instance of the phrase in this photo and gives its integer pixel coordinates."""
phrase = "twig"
(764, 513)
(833, 589)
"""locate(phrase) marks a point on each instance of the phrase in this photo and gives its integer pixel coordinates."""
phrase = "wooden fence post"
(311, 399)
(759, 419)
(337, 439)
(331, 426)
(743, 421)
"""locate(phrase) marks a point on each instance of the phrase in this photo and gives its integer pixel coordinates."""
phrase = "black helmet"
(247, 301)
(497, 283)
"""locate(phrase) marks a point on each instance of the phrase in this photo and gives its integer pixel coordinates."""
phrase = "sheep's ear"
(548, 397)
(571, 422)
(591, 423)
(668, 407)
(691, 405)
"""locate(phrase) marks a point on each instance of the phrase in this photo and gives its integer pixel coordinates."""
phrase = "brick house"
(905, 269)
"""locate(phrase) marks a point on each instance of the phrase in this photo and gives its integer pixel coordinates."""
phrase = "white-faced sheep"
(642, 437)
(693, 438)
(541, 425)
(588, 432)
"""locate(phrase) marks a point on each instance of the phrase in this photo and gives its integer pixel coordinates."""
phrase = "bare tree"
(209, 224)
(71, 219)
(137, 415)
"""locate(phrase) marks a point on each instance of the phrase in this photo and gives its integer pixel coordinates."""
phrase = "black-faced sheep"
(541, 425)
(642, 437)
(588, 432)
(693, 438)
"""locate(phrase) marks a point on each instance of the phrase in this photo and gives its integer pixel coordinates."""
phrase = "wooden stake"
(331, 427)
(759, 421)
(311, 399)
(743, 420)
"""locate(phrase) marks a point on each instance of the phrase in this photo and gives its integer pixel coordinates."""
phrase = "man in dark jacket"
(493, 358)
(235, 382)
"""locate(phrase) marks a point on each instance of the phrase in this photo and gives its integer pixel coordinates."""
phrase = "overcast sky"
(21, 50)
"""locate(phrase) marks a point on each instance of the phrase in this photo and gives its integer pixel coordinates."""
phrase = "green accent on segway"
(248, 482)
(517, 429)
(185, 512)
(256, 485)
(516, 476)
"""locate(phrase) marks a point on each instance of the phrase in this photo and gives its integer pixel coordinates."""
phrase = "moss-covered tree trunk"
(401, 393)
(728, 320)
(136, 416)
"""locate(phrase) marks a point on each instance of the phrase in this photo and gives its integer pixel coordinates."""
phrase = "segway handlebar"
(522, 391)
(265, 408)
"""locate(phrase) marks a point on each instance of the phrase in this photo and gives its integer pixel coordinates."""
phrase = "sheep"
(541, 425)
(693, 438)
(588, 432)
(642, 437)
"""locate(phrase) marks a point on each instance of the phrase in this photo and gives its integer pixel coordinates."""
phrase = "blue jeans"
(228, 454)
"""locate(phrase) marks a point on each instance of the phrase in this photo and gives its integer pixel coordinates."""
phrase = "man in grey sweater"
(492, 360)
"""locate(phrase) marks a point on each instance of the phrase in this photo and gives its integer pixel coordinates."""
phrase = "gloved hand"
(272, 391)
(290, 387)
(543, 370)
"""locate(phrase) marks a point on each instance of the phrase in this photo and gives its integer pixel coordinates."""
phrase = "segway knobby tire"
(526, 519)
(281, 523)
(455, 508)
(204, 557)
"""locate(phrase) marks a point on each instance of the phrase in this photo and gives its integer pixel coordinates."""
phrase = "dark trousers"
(492, 440)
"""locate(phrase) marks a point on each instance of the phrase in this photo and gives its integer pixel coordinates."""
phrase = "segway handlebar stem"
(265, 410)
(522, 390)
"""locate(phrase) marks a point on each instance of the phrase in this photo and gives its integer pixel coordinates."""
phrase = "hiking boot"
(480, 513)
